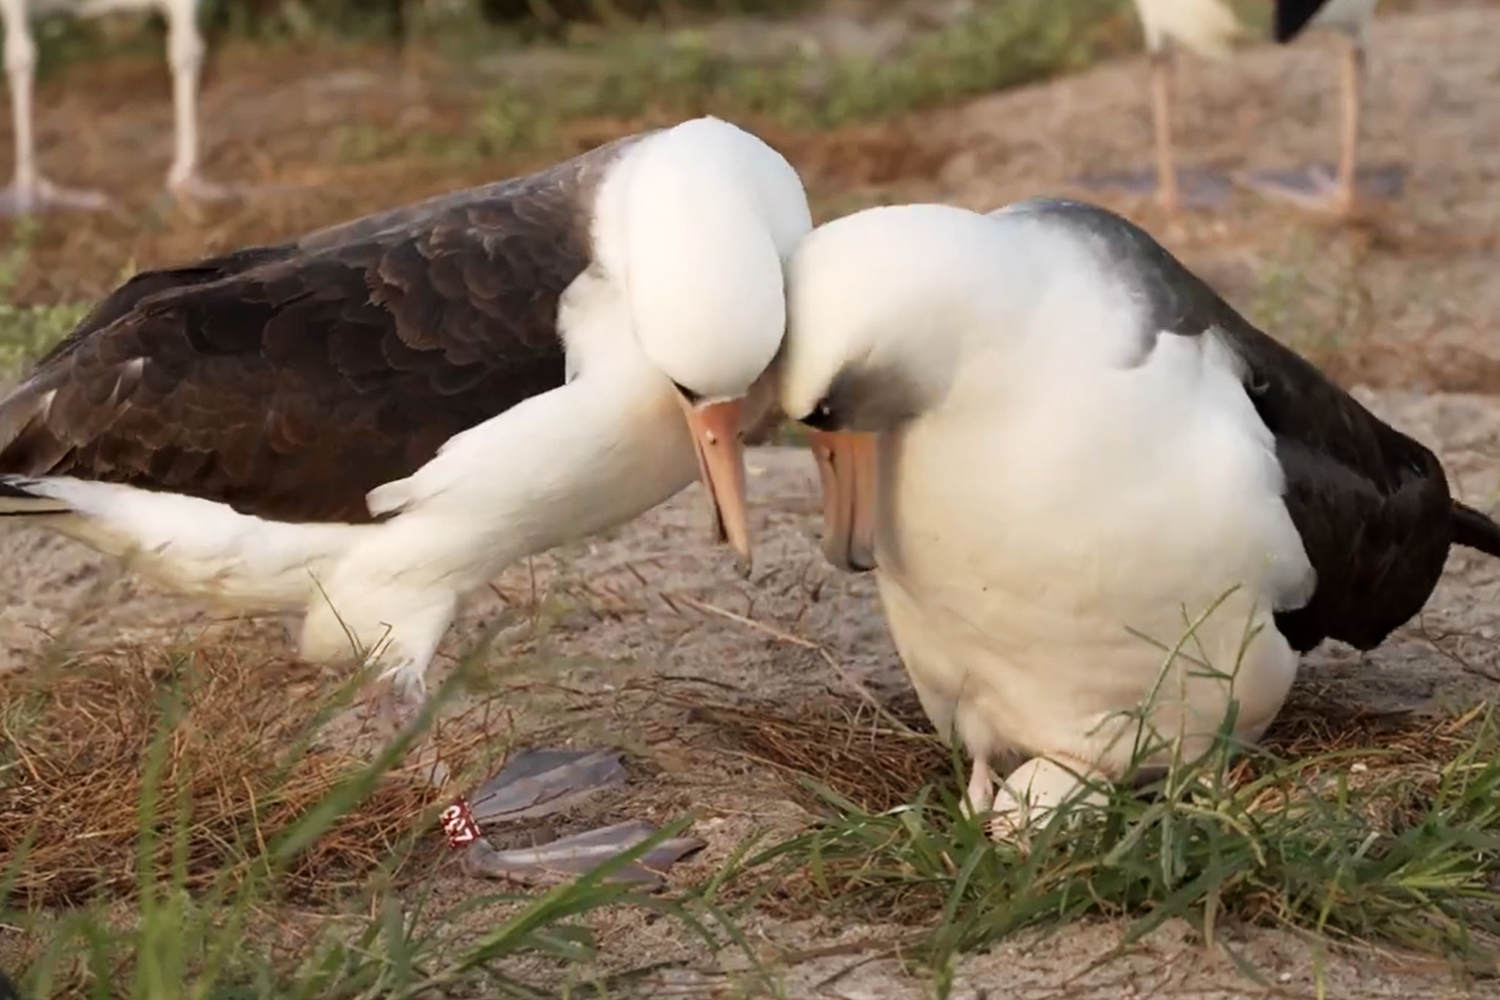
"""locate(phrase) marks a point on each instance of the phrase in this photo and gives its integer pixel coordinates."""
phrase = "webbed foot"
(1316, 187)
(44, 195)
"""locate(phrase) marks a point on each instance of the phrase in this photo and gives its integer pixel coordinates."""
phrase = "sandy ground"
(632, 643)
(1401, 298)
(617, 639)
(1405, 297)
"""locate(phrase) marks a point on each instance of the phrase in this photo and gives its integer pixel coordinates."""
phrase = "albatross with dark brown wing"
(374, 419)
(289, 381)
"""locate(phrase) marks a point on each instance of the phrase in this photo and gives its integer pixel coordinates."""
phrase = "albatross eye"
(821, 417)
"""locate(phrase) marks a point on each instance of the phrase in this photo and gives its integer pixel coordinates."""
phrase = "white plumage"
(681, 280)
(1062, 454)
(1209, 27)
(1048, 497)
(1205, 26)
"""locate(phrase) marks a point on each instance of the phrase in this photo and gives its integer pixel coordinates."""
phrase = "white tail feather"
(17, 496)
(192, 544)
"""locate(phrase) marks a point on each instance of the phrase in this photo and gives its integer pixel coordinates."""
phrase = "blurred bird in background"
(30, 190)
(1208, 27)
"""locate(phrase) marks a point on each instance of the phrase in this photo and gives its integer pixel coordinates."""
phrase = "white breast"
(1205, 26)
(1025, 532)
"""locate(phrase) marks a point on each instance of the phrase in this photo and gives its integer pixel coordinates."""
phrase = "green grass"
(999, 43)
(1314, 296)
(389, 941)
(26, 332)
(386, 943)
(1194, 846)
(671, 63)
(1393, 842)
(668, 73)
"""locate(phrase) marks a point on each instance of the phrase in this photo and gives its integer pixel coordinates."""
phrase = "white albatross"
(1207, 27)
(1050, 439)
(372, 421)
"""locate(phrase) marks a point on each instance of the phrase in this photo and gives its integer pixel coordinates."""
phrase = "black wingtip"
(18, 500)
(1292, 16)
(1475, 529)
(15, 488)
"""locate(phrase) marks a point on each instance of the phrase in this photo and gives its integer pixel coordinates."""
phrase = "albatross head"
(708, 215)
(877, 304)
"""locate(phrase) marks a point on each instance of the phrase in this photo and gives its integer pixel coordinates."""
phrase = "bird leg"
(1034, 790)
(1315, 187)
(1351, 73)
(29, 190)
(1161, 113)
(185, 50)
(981, 791)
(1197, 187)
(398, 696)
(382, 624)
(393, 707)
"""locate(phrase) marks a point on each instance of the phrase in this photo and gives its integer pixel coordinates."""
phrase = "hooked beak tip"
(846, 467)
(716, 433)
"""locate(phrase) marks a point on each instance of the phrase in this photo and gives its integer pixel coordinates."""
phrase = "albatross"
(1207, 27)
(1057, 448)
(373, 420)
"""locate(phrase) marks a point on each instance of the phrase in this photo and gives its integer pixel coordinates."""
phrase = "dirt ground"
(624, 638)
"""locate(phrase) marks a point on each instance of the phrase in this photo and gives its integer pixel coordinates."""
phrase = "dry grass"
(844, 746)
(222, 741)
(853, 751)
(79, 747)
(1369, 831)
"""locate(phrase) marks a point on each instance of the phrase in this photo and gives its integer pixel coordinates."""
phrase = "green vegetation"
(1402, 853)
(26, 332)
(611, 59)
(1315, 297)
(1382, 837)
(1363, 837)
(802, 84)
(210, 906)
(995, 45)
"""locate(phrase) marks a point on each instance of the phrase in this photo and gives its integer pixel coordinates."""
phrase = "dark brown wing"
(289, 381)
(1371, 504)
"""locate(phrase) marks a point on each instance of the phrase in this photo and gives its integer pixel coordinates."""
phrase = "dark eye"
(687, 394)
(821, 417)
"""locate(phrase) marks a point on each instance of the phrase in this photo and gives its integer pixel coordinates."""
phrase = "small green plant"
(512, 119)
(26, 332)
(680, 72)
(1394, 842)
(190, 929)
(1315, 297)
